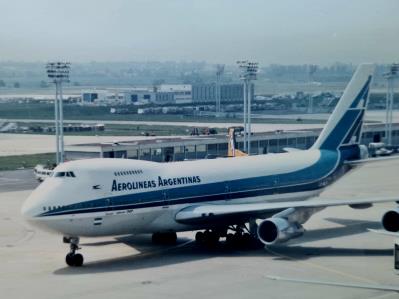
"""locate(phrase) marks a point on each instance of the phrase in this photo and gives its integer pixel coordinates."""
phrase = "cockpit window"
(63, 174)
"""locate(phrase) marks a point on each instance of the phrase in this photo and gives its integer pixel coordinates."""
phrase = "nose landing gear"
(73, 259)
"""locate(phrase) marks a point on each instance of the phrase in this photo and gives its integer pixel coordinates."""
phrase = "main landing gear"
(166, 238)
(73, 259)
(208, 237)
(242, 236)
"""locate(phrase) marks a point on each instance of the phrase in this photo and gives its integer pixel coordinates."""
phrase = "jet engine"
(390, 220)
(277, 230)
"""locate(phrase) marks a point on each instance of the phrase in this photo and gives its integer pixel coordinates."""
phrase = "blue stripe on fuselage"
(310, 178)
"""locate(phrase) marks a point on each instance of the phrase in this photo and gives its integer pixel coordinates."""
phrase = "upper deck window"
(128, 172)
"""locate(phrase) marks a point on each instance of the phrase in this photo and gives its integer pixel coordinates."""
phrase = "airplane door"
(101, 191)
(227, 192)
(276, 185)
(165, 199)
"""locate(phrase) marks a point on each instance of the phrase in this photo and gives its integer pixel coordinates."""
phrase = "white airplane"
(269, 196)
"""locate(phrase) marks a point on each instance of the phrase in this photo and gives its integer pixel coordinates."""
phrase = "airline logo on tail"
(345, 124)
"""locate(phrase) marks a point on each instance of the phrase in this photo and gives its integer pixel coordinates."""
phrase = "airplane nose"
(26, 210)
(29, 209)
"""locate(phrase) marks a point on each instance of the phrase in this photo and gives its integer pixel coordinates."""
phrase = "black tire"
(229, 239)
(212, 238)
(164, 238)
(246, 239)
(78, 260)
(69, 259)
(199, 237)
(171, 238)
(156, 238)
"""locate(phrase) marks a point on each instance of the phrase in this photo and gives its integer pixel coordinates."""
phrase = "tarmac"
(335, 258)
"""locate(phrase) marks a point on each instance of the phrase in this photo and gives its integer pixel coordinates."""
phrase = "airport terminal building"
(166, 149)
(164, 94)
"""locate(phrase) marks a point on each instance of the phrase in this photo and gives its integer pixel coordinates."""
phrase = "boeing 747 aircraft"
(269, 196)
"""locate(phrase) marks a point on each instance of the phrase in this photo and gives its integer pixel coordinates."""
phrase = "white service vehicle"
(42, 172)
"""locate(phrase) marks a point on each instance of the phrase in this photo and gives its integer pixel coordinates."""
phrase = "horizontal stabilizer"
(291, 149)
(371, 160)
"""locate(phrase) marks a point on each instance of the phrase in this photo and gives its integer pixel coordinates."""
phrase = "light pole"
(58, 73)
(219, 74)
(390, 76)
(248, 73)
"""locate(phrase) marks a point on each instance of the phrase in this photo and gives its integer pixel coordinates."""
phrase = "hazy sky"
(281, 31)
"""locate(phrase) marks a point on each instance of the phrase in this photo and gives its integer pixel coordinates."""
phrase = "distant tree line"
(153, 72)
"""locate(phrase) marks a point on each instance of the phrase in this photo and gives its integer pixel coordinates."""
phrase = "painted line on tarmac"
(314, 265)
(376, 287)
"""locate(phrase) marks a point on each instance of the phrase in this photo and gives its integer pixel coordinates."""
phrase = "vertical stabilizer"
(345, 123)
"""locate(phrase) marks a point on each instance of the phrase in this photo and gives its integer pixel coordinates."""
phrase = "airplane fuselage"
(100, 197)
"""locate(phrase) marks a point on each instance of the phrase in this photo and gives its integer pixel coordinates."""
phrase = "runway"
(337, 248)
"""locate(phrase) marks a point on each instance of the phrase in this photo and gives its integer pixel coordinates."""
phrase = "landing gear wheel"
(69, 259)
(73, 259)
(208, 238)
(199, 237)
(242, 237)
(211, 238)
(168, 238)
(78, 259)
(229, 239)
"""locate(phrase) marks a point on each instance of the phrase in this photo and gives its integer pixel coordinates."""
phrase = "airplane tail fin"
(344, 127)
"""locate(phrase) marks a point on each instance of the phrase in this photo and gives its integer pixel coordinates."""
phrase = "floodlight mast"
(390, 76)
(248, 73)
(219, 74)
(58, 73)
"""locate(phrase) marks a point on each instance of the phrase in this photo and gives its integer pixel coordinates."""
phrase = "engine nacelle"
(277, 230)
(390, 220)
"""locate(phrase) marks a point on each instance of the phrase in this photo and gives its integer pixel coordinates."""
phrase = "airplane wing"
(383, 232)
(208, 213)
